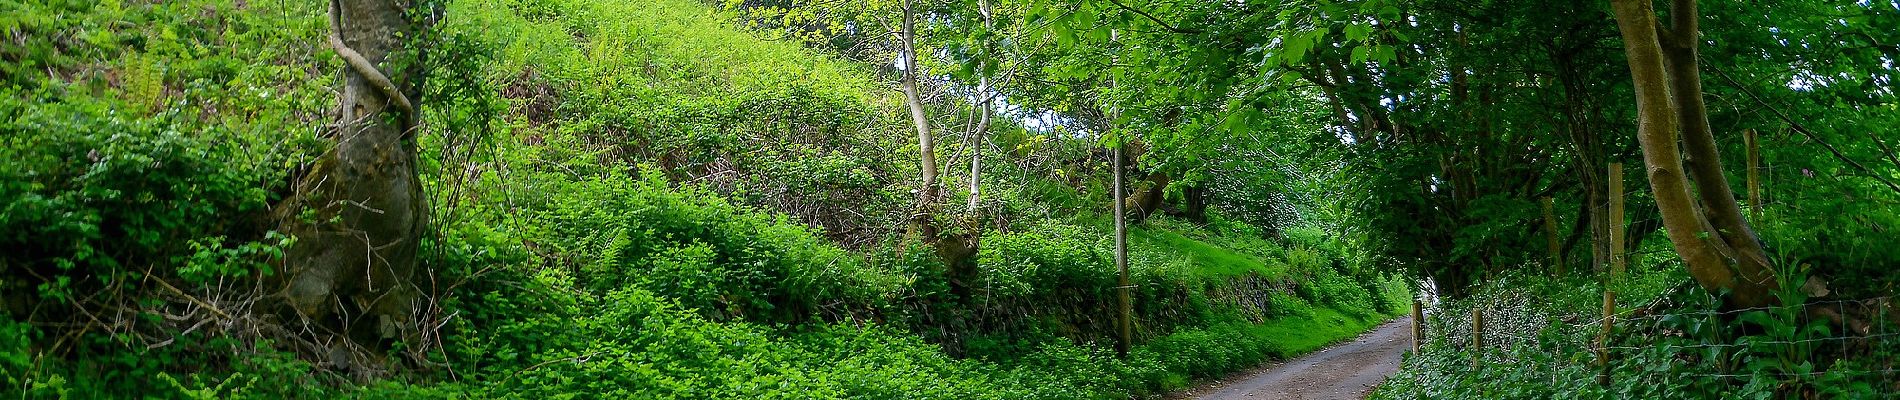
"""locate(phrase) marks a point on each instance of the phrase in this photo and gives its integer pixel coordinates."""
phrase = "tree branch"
(1796, 126)
(1884, 149)
(362, 66)
(1151, 17)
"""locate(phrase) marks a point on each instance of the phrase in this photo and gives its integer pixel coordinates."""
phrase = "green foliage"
(93, 197)
(631, 342)
(631, 200)
(691, 245)
(200, 390)
(670, 86)
(178, 370)
(210, 259)
(1223, 260)
(18, 363)
(1828, 157)
(1690, 350)
(1837, 238)
(1048, 256)
(141, 148)
(105, 176)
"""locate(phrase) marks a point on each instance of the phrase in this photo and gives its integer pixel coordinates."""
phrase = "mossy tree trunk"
(1704, 162)
(1721, 253)
(1142, 203)
(359, 213)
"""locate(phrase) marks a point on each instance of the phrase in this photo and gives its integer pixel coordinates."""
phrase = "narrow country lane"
(1345, 371)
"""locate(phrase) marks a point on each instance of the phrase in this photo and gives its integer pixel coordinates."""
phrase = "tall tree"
(1720, 250)
(358, 215)
(1449, 141)
(1124, 320)
(926, 142)
(985, 99)
(976, 145)
(957, 251)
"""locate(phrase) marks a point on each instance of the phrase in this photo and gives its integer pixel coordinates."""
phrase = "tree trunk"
(351, 270)
(1577, 230)
(1550, 236)
(1657, 122)
(1144, 204)
(1599, 225)
(976, 144)
(1123, 297)
(1704, 161)
(926, 143)
(957, 252)
(982, 129)
(1124, 321)
(1194, 202)
(1591, 158)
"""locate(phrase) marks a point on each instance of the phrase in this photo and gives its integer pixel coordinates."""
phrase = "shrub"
(92, 198)
(725, 260)
(1048, 255)
(162, 132)
(1683, 348)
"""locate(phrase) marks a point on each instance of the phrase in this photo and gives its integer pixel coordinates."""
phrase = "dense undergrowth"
(1671, 341)
(669, 208)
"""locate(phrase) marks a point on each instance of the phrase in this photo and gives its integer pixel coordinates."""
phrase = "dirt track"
(1345, 371)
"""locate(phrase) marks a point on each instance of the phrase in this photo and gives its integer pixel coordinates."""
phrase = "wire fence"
(1851, 339)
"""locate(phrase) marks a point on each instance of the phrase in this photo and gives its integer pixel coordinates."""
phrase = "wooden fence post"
(1617, 239)
(1418, 324)
(1754, 175)
(1477, 335)
(1550, 233)
(1617, 263)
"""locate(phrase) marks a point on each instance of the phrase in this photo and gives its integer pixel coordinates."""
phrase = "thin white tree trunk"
(976, 142)
(926, 143)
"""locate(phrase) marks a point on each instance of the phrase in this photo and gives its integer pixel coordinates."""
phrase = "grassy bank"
(629, 200)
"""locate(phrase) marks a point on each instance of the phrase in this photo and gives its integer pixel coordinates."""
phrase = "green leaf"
(1384, 53)
(1357, 31)
(1294, 52)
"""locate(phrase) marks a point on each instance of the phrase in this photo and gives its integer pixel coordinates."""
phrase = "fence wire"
(1510, 320)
